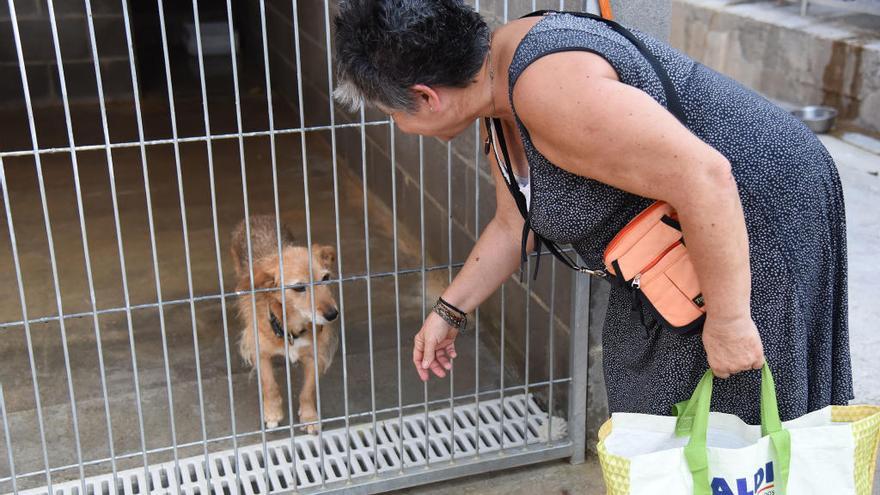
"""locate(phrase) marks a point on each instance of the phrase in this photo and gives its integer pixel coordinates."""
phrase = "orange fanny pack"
(649, 255)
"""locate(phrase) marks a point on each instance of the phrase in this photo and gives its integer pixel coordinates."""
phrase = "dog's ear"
(325, 254)
(264, 276)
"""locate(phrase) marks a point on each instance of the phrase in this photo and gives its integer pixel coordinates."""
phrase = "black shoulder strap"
(521, 204)
(673, 104)
(507, 171)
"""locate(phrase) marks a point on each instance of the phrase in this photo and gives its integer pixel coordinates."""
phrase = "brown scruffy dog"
(269, 313)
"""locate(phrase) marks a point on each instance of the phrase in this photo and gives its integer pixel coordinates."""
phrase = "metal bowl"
(818, 118)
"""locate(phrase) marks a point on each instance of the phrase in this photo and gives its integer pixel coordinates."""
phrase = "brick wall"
(39, 50)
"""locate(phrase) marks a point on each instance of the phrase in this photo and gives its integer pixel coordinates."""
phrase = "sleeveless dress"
(794, 212)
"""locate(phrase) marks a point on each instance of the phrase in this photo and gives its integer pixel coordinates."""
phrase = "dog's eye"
(326, 277)
(300, 288)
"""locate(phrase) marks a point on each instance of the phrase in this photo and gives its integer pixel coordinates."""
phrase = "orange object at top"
(605, 9)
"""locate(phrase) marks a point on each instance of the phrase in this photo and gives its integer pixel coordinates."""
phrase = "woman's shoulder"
(549, 75)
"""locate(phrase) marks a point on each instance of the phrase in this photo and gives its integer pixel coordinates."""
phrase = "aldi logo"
(761, 483)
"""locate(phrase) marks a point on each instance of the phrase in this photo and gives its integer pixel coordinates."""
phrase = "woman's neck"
(489, 95)
(491, 88)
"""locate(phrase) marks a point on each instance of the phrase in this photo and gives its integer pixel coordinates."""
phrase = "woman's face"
(440, 114)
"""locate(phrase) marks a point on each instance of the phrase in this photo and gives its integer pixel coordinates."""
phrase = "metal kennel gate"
(377, 449)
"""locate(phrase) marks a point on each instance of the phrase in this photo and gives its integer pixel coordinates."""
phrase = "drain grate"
(285, 474)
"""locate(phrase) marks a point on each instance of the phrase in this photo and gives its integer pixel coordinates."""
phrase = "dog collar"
(278, 329)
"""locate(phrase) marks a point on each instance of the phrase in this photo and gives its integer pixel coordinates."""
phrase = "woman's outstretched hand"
(434, 347)
(732, 345)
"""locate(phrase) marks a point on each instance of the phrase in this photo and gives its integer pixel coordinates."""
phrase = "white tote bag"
(827, 451)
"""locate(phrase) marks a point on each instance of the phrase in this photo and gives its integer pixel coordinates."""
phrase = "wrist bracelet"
(446, 303)
(455, 317)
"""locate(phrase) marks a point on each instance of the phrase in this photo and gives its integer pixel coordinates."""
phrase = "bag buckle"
(594, 273)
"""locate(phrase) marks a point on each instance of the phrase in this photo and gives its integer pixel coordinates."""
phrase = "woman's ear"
(427, 98)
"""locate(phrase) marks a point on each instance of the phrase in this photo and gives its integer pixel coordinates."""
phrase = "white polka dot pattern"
(793, 207)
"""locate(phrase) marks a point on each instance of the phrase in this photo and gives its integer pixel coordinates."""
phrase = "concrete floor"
(859, 167)
(552, 478)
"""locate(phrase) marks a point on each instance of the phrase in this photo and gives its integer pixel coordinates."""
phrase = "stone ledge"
(828, 57)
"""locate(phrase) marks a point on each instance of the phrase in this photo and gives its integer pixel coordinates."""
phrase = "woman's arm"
(492, 260)
(587, 122)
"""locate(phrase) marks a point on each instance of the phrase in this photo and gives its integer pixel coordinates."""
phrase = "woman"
(584, 116)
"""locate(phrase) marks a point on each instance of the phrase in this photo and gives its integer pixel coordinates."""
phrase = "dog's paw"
(310, 417)
(273, 418)
(312, 429)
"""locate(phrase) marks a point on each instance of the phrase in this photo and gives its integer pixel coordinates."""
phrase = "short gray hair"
(384, 47)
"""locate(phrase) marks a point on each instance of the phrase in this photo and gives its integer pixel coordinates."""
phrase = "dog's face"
(298, 295)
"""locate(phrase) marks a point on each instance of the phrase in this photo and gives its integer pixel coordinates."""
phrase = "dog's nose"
(331, 315)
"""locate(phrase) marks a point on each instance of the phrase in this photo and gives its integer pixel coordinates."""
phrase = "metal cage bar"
(221, 295)
(249, 244)
(270, 117)
(338, 234)
(10, 458)
(209, 149)
(449, 281)
(189, 139)
(56, 288)
(154, 258)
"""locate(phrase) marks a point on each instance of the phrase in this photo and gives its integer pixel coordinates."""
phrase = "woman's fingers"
(443, 358)
(449, 345)
(759, 363)
(428, 355)
(418, 350)
(418, 353)
(732, 345)
(434, 349)
(437, 369)
(423, 374)
(720, 374)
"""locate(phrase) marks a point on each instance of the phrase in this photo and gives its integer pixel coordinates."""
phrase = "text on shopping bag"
(762, 483)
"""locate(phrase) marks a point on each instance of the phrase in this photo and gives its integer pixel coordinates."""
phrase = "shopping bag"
(832, 450)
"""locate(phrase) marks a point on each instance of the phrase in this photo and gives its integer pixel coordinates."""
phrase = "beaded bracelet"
(455, 317)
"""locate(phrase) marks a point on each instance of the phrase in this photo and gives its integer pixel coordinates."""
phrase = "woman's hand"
(732, 345)
(434, 347)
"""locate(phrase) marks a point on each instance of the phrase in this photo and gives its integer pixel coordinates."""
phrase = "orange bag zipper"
(637, 280)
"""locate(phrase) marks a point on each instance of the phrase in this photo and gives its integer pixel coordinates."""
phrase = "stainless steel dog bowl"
(818, 118)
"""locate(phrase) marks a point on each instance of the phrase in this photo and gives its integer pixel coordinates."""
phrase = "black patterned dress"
(793, 204)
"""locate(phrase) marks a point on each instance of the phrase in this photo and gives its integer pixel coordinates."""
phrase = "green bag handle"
(693, 420)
